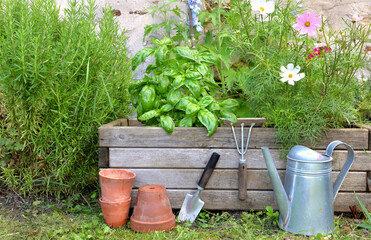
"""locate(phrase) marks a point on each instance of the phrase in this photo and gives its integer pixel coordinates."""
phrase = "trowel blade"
(191, 207)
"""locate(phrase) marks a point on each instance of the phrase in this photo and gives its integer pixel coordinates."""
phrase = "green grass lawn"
(66, 220)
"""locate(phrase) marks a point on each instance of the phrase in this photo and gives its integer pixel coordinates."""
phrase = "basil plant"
(179, 89)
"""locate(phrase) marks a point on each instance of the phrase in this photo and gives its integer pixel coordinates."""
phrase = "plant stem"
(243, 19)
(191, 27)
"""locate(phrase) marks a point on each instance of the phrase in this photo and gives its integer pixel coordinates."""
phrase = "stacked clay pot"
(116, 185)
(152, 210)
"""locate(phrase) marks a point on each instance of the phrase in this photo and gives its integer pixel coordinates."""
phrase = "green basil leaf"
(139, 109)
(182, 104)
(150, 68)
(136, 85)
(214, 107)
(152, 79)
(229, 116)
(207, 58)
(187, 121)
(185, 52)
(192, 108)
(191, 99)
(174, 96)
(148, 115)
(209, 120)
(160, 54)
(163, 84)
(178, 82)
(134, 97)
(157, 103)
(167, 108)
(193, 75)
(211, 82)
(203, 69)
(155, 41)
(230, 104)
(206, 101)
(169, 72)
(194, 86)
(166, 41)
(167, 124)
(147, 97)
(141, 56)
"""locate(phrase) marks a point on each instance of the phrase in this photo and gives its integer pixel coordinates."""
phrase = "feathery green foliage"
(330, 95)
(62, 75)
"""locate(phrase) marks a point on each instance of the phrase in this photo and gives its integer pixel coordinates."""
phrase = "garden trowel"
(192, 204)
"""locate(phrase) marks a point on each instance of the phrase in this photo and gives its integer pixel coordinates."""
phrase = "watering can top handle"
(330, 148)
(345, 169)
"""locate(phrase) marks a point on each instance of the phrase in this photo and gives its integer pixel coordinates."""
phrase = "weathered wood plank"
(134, 122)
(369, 129)
(222, 138)
(363, 126)
(229, 158)
(259, 122)
(256, 200)
(117, 123)
(369, 181)
(103, 157)
(227, 179)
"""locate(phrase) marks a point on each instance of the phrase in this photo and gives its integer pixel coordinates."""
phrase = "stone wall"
(133, 16)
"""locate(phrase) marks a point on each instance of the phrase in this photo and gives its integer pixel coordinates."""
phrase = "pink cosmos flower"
(319, 45)
(310, 56)
(317, 51)
(356, 18)
(326, 49)
(307, 23)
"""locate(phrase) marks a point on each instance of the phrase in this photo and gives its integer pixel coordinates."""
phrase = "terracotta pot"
(116, 184)
(152, 210)
(115, 214)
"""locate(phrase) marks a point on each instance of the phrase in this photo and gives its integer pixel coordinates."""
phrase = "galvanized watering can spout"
(279, 190)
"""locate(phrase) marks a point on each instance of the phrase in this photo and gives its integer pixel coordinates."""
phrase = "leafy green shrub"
(60, 78)
(179, 89)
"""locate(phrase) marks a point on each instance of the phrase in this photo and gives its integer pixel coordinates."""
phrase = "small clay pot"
(152, 210)
(115, 214)
(116, 184)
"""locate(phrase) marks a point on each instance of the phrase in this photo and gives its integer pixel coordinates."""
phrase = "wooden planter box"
(177, 161)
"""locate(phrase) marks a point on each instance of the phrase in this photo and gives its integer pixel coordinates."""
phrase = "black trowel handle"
(208, 170)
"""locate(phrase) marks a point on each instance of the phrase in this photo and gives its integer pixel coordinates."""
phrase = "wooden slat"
(363, 126)
(259, 122)
(368, 181)
(369, 129)
(134, 122)
(227, 179)
(117, 123)
(229, 158)
(222, 138)
(186, 158)
(362, 162)
(256, 200)
(103, 155)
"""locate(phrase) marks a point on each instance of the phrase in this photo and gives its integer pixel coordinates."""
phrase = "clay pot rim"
(118, 202)
(152, 188)
(153, 223)
(132, 174)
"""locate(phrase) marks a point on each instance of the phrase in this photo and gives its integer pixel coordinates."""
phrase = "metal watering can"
(306, 202)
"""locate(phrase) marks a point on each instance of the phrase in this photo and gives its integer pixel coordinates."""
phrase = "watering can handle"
(345, 169)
